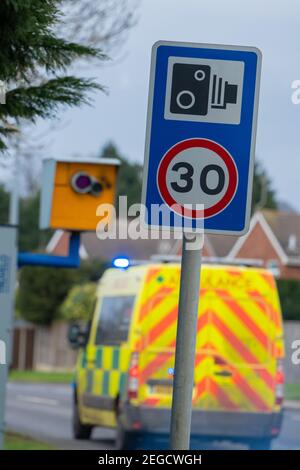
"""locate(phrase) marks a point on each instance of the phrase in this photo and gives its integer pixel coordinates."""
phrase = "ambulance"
(125, 368)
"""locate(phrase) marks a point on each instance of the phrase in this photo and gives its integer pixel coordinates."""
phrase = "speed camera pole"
(186, 343)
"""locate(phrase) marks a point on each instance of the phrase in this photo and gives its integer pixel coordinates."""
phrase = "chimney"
(292, 243)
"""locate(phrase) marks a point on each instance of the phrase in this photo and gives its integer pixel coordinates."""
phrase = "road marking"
(37, 400)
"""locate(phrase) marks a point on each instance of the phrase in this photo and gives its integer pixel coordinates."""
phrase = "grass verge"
(43, 377)
(292, 392)
(14, 441)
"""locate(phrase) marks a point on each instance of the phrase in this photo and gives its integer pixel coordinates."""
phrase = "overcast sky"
(271, 25)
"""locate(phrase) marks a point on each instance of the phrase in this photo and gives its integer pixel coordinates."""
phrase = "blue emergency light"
(121, 262)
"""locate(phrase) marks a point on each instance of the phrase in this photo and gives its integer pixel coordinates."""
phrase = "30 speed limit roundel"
(197, 171)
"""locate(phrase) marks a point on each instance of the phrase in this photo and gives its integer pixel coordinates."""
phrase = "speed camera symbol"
(191, 86)
(204, 91)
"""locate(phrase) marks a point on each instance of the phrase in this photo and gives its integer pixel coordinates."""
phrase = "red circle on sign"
(209, 145)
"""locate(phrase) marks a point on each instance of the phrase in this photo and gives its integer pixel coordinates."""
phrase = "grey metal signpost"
(186, 343)
(200, 147)
(8, 266)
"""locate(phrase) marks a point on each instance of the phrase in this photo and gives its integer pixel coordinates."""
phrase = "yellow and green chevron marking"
(105, 373)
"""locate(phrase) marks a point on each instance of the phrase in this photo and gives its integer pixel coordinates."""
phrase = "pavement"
(43, 411)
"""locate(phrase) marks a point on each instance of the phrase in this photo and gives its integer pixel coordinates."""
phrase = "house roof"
(214, 245)
(283, 231)
(93, 247)
(133, 249)
(286, 228)
(222, 244)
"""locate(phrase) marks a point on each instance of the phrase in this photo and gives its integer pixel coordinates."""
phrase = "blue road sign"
(200, 141)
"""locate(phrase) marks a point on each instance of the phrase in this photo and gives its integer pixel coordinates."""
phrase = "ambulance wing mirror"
(78, 336)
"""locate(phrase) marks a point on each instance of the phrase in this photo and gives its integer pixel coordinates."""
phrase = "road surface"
(43, 411)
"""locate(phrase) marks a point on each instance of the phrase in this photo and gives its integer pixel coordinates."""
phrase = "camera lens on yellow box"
(73, 189)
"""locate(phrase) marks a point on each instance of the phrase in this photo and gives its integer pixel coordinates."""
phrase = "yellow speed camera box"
(73, 189)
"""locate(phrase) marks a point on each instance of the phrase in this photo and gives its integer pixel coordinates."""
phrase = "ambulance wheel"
(260, 444)
(80, 431)
(123, 439)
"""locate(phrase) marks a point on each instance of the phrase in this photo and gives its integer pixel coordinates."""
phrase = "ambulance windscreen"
(114, 320)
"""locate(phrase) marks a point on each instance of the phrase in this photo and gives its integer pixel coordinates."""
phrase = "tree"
(34, 62)
(4, 205)
(263, 195)
(130, 175)
(79, 303)
(30, 236)
(102, 23)
(289, 293)
(26, 152)
(90, 271)
(41, 292)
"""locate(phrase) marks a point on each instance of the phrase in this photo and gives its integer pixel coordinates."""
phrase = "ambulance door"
(159, 326)
(108, 357)
(241, 369)
(157, 353)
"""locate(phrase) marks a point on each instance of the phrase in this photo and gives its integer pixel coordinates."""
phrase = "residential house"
(274, 238)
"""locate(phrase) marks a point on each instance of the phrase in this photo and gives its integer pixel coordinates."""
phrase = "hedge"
(289, 293)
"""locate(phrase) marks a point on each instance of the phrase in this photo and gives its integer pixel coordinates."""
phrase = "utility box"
(8, 280)
(73, 189)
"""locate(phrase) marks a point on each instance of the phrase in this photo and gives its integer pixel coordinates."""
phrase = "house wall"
(258, 246)
(288, 272)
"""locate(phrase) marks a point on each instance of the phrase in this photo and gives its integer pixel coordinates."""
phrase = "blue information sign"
(200, 141)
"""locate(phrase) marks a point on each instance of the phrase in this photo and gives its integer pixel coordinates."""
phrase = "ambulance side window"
(114, 320)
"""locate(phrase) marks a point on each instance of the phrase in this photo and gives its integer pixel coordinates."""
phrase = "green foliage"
(44, 101)
(130, 175)
(90, 271)
(289, 293)
(34, 63)
(41, 292)
(80, 303)
(29, 230)
(263, 195)
(4, 205)
(30, 237)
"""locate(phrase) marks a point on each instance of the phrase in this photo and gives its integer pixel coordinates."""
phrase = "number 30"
(187, 178)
